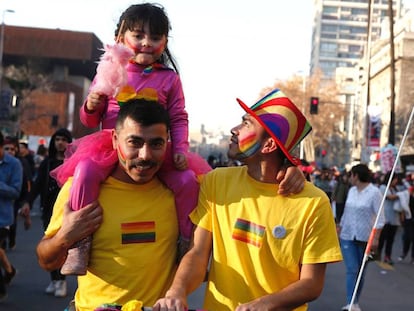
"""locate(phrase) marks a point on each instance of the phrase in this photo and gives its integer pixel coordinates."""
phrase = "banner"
(388, 155)
(374, 131)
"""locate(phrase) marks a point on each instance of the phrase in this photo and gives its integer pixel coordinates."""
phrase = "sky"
(225, 49)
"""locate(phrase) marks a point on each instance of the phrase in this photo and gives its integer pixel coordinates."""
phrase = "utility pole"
(391, 134)
(367, 67)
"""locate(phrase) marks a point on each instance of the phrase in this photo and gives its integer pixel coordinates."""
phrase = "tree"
(23, 81)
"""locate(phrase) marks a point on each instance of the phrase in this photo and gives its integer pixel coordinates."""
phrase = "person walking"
(11, 176)
(339, 195)
(408, 230)
(21, 205)
(392, 216)
(361, 208)
(48, 189)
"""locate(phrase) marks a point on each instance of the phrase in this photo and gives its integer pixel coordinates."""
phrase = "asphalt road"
(387, 288)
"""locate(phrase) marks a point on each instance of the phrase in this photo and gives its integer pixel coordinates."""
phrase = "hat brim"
(293, 160)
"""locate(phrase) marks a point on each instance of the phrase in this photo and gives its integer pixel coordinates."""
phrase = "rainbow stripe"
(248, 232)
(138, 232)
(249, 145)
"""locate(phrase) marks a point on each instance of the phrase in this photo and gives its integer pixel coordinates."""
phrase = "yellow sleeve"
(57, 215)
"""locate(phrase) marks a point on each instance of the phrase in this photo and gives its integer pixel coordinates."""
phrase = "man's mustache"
(142, 163)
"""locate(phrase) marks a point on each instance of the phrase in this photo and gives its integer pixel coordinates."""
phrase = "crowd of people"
(356, 198)
(135, 215)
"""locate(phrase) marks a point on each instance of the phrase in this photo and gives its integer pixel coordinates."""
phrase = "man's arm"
(307, 288)
(76, 225)
(11, 189)
(191, 272)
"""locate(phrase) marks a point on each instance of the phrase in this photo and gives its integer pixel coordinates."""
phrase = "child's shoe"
(78, 257)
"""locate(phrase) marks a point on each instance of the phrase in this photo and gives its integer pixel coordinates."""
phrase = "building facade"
(65, 60)
(379, 95)
(340, 32)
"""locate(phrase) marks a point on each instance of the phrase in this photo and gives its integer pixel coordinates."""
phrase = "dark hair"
(152, 14)
(63, 132)
(143, 111)
(363, 172)
(12, 141)
(388, 176)
(1, 139)
(41, 150)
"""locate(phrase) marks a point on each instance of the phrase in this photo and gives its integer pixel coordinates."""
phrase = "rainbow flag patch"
(138, 232)
(248, 232)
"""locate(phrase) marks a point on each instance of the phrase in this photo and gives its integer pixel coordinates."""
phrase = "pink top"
(160, 83)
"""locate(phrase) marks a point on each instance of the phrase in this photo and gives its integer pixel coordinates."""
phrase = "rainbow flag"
(138, 232)
(248, 232)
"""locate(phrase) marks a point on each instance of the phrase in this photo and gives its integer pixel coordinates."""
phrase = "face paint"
(159, 50)
(121, 156)
(130, 45)
(248, 145)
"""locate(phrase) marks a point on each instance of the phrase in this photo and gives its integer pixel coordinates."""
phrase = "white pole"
(368, 247)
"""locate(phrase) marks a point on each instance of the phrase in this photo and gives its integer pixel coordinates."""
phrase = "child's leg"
(85, 188)
(86, 182)
(185, 186)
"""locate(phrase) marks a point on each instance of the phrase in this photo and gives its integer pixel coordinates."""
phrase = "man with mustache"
(134, 226)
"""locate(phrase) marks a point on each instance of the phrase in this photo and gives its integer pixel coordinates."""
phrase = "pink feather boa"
(111, 72)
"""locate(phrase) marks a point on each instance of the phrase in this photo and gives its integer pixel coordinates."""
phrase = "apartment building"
(340, 31)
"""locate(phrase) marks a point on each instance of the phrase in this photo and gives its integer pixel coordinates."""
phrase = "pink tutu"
(98, 147)
(95, 147)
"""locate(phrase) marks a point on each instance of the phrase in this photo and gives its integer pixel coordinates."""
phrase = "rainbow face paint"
(121, 156)
(248, 145)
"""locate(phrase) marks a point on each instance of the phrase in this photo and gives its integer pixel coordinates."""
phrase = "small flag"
(138, 232)
(248, 232)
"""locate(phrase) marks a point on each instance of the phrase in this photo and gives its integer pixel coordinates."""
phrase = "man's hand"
(291, 180)
(174, 300)
(77, 225)
(24, 211)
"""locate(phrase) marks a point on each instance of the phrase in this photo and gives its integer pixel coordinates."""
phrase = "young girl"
(145, 29)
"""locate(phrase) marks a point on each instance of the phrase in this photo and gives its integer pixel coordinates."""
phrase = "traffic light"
(314, 103)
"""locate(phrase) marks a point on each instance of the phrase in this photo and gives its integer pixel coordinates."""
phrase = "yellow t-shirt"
(260, 238)
(133, 252)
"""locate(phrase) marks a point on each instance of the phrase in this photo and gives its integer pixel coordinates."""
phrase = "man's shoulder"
(11, 160)
(313, 190)
(222, 172)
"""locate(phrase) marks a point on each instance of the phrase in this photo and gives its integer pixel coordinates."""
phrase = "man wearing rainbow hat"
(268, 251)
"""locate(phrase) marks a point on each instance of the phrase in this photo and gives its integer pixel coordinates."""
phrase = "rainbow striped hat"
(281, 119)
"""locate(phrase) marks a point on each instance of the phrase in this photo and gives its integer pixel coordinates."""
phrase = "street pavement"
(387, 288)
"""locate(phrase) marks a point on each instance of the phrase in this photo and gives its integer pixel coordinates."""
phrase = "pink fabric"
(90, 163)
(168, 87)
(96, 148)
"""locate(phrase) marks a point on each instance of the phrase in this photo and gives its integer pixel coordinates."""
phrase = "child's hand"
(291, 180)
(93, 102)
(180, 161)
